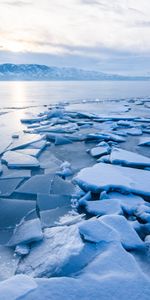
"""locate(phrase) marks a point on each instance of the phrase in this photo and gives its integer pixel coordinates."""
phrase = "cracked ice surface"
(88, 235)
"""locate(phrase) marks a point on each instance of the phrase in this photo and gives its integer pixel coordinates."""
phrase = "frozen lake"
(74, 190)
(21, 94)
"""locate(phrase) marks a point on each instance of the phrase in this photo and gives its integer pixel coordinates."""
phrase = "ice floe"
(101, 149)
(111, 177)
(128, 158)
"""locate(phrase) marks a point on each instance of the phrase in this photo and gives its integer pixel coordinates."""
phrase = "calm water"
(21, 94)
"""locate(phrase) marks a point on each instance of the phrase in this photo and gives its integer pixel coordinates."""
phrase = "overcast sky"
(112, 36)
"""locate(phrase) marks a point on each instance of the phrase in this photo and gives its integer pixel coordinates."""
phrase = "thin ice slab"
(37, 184)
(107, 177)
(26, 232)
(25, 140)
(11, 173)
(32, 152)
(14, 159)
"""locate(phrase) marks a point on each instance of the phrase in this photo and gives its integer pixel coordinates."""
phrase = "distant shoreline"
(36, 72)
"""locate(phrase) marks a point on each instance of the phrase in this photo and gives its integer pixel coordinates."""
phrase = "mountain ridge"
(38, 72)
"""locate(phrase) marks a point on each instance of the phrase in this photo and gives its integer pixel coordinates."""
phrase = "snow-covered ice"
(17, 287)
(60, 245)
(111, 177)
(128, 158)
(128, 237)
(100, 150)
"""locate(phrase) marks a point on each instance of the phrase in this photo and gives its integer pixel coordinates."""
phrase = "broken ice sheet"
(49, 162)
(107, 177)
(11, 213)
(11, 173)
(62, 187)
(46, 184)
(14, 159)
(47, 202)
(36, 184)
(8, 186)
(76, 155)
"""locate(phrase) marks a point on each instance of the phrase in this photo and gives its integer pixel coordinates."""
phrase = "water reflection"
(31, 93)
(18, 94)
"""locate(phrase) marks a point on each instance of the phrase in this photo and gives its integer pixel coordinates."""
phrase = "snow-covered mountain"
(42, 72)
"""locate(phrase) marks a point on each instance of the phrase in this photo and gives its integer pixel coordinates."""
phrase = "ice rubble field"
(75, 202)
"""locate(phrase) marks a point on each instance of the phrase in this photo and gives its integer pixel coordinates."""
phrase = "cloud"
(93, 31)
(142, 24)
(17, 3)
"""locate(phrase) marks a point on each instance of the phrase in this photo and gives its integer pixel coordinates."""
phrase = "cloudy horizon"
(111, 37)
